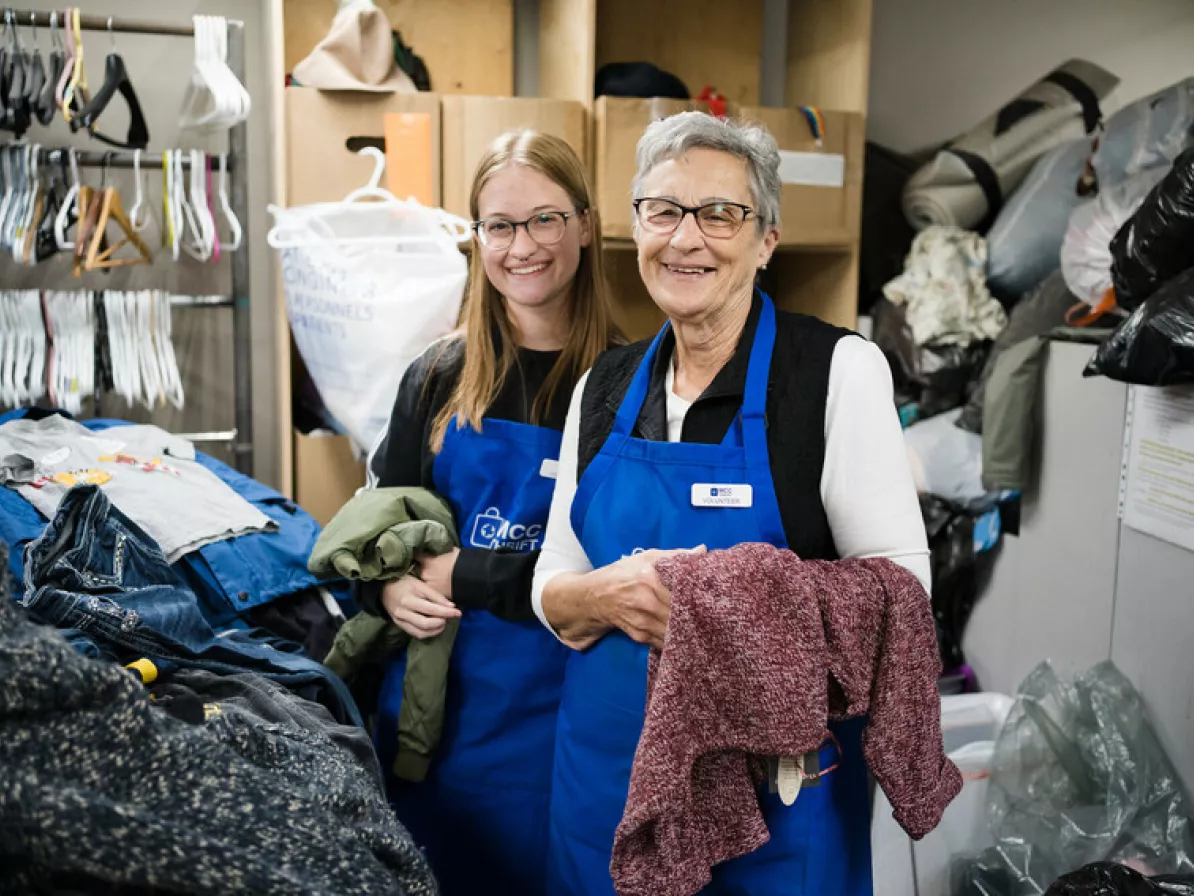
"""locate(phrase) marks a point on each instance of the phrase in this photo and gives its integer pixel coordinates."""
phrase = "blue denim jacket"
(95, 573)
(229, 577)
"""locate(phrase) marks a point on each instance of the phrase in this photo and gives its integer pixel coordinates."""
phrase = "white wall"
(939, 67)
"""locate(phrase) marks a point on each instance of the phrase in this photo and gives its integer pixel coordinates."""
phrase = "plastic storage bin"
(970, 723)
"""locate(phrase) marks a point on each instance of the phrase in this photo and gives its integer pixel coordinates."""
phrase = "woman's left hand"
(436, 570)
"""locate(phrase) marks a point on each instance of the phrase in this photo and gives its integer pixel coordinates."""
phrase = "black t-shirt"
(492, 580)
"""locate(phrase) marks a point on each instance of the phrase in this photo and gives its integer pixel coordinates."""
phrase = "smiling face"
(688, 274)
(525, 273)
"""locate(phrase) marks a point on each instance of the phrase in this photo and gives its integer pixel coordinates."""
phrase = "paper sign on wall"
(812, 169)
(408, 156)
(1157, 480)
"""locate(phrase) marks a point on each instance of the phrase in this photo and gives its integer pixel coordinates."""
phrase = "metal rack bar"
(202, 301)
(241, 438)
(122, 158)
(242, 316)
(115, 24)
(221, 436)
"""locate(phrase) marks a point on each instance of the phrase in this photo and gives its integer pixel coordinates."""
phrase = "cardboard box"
(821, 205)
(324, 130)
(471, 123)
(326, 474)
(618, 123)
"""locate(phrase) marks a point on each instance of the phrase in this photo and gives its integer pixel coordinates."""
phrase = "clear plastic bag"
(1078, 777)
(1086, 250)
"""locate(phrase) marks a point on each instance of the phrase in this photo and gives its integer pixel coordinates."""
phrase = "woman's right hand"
(416, 607)
(625, 595)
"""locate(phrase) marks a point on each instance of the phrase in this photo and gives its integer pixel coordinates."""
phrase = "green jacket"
(378, 535)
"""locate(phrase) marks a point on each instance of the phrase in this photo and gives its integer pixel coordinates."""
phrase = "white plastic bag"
(368, 287)
(946, 461)
(1086, 250)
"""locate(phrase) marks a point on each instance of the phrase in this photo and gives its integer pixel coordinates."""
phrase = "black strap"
(1080, 91)
(987, 180)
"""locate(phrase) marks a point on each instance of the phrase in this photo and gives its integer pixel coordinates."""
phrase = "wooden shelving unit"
(719, 43)
(469, 48)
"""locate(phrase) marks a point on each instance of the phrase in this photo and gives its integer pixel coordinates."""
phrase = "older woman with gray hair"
(727, 378)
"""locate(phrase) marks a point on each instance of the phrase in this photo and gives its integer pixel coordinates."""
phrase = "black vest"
(797, 390)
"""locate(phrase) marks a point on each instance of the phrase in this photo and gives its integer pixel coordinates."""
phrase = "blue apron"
(636, 495)
(482, 812)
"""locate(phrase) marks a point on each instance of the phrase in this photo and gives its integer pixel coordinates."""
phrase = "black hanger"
(17, 99)
(45, 105)
(116, 78)
(45, 244)
(36, 81)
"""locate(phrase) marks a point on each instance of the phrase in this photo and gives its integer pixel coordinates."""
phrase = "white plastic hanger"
(307, 225)
(215, 98)
(9, 336)
(174, 390)
(192, 234)
(28, 209)
(11, 164)
(139, 205)
(202, 202)
(37, 365)
(169, 375)
(229, 215)
(22, 347)
(146, 353)
(62, 220)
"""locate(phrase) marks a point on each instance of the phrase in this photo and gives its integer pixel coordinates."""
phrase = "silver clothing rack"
(117, 158)
(240, 438)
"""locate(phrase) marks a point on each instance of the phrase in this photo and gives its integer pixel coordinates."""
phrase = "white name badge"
(710, 494)
(549, 469)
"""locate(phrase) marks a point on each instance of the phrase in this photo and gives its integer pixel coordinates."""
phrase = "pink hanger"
(69, 67)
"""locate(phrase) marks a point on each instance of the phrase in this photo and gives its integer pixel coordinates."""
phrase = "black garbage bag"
(957, 568)
(937, 378)
(1155, 345)
(1110, 879)
(1154, 245)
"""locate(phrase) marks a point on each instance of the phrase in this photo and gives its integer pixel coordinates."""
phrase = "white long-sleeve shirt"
(866, 482)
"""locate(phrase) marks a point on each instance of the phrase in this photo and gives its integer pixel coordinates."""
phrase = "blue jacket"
(229, 577)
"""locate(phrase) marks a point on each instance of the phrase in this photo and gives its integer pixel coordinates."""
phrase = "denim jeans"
(95, 571)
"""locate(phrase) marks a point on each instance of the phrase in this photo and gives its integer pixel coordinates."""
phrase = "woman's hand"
(630, 597)
(625, 595)
(416, 607)
(436, 570)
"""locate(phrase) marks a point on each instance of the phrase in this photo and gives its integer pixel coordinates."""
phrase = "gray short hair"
(671, 137)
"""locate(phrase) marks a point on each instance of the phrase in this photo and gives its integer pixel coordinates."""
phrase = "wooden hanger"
(89, 209)
(111, 209)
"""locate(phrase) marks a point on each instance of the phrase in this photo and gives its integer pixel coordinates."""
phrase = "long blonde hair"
(591, 330)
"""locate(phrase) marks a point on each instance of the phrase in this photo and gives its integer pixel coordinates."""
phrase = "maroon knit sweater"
(761, 650)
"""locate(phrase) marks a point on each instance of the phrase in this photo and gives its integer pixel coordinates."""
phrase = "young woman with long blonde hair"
(479, 419)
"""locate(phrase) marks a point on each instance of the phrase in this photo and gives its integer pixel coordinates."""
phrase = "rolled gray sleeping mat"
(965, 183)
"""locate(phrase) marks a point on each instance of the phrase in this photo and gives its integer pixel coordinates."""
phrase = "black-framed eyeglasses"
(545, 228)
(719, 220)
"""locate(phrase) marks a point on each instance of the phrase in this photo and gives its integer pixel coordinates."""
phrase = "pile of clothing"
(239, 546)
(141, 750)
(161, 641)
(1047, 218)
